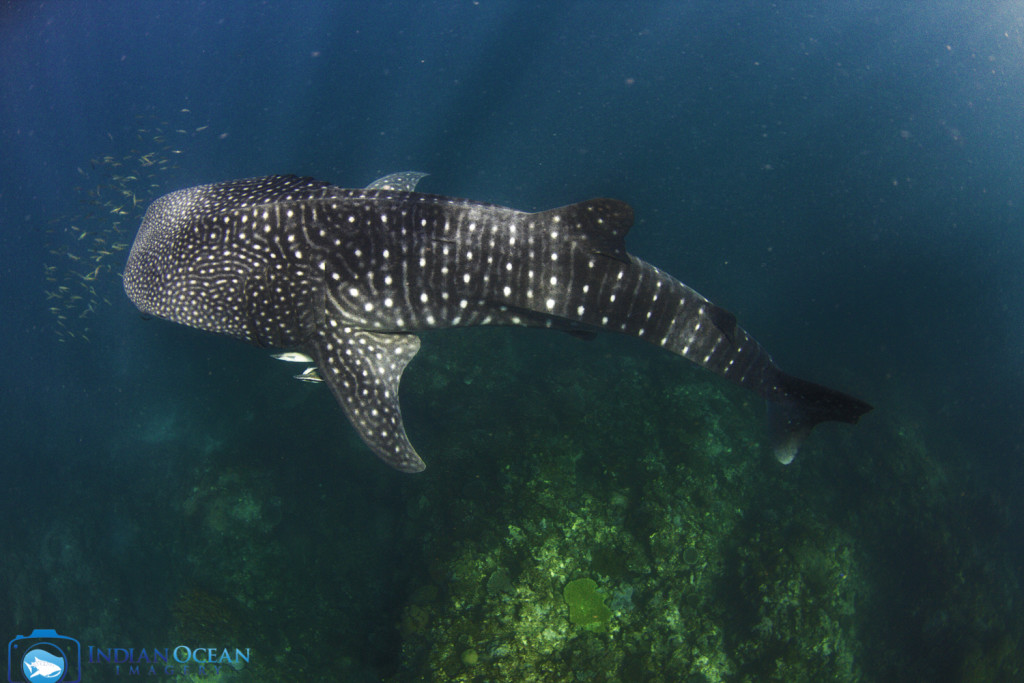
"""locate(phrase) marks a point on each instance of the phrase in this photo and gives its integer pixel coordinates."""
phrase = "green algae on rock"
(586, 605)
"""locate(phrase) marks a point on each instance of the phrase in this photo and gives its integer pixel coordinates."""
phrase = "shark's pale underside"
(349, 276)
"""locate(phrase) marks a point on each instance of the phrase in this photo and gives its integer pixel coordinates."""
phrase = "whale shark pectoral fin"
(363, 370)
(405, 181)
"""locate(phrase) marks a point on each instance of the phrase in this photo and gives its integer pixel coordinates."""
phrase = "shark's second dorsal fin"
(601, 223)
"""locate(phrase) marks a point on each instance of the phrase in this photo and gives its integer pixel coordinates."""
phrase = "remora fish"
(348, 276)
(292, 357)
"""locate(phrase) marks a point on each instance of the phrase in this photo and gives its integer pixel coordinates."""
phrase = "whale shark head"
(255, 259)
(191, 263)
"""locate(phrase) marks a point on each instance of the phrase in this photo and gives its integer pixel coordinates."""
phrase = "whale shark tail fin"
(798, 405)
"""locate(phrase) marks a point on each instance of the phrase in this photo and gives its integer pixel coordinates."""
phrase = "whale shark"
(349, 277)
(41, 667)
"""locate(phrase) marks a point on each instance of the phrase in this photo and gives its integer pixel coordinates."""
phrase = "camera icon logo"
(44, 655)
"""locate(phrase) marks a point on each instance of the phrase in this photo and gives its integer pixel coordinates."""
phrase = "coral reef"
(586, 605)
(561, 536)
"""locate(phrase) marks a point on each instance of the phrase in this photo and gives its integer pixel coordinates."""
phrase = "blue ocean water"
(845, 177)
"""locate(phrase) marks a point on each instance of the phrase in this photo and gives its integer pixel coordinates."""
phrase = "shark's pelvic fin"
(363, 370)
(723, 320)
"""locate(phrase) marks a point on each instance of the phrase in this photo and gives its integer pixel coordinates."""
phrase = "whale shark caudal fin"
(798, 405)
(363, 370)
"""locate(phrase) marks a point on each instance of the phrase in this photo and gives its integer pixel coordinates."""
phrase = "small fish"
(310, 374)
(292, 357)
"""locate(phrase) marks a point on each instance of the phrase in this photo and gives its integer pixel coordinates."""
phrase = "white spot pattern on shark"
(348, 276)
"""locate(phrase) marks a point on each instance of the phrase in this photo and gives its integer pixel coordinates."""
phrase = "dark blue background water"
(846, 177)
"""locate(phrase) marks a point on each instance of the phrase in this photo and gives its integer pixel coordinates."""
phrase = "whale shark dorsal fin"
(363, 370)
(601, 223)
(406, 181)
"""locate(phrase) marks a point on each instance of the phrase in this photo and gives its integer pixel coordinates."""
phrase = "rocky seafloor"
(590, 512)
